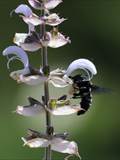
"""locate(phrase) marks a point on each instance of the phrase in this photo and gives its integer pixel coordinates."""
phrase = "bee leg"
(81, 112)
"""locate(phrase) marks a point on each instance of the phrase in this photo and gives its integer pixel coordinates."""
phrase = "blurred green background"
(94, 28)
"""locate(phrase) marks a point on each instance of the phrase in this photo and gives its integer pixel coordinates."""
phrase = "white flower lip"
(57, 72)
(83, 64)
(36, 142)
(57, 40)
(34, 108)
(16, 74)
(57, 79)
(64, 146)
(65, 110)
(57, 144)
(20, 40)
(60, 82)
(31, 80)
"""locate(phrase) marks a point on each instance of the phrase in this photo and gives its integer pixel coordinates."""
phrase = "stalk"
(46, 87)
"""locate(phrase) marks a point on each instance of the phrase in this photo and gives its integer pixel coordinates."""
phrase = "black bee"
(83, 89)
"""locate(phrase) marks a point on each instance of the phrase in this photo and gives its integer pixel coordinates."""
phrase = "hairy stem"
(46, 87)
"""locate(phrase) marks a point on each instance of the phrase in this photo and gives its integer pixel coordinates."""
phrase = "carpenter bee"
(83, 89)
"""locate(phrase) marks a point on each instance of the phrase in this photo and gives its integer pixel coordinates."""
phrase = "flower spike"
(79, 86)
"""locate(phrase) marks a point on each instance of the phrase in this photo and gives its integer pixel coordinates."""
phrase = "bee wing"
(97, 89)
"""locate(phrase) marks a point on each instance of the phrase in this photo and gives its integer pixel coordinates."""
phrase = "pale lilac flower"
(28, 16)
(57, 107)
(33, 42)
(48, 4)
(61, 78)
(82, 64)
(59, 144)
(27, 75)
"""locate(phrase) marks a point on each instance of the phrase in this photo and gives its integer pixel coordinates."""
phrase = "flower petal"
(57, 40)
(65, 110)
(33, 19)
(57, 143)
(51, 4)
(83, 64)
(19, 52)
(30, 110)
(32, 79)
(16, 74)
(64, 146)
(53, 19)
(32, 47)
(35, 4)
(60, 82)
(58, 79)
(57, 72)
(36, 142)
(24, 9)
(19, 38)
(27, 42)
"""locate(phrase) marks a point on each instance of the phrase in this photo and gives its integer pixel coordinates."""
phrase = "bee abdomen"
(85, 104)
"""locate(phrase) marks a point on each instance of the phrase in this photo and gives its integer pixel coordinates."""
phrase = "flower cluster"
(64, 105)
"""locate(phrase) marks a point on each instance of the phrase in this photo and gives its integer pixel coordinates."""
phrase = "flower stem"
(46, 87)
